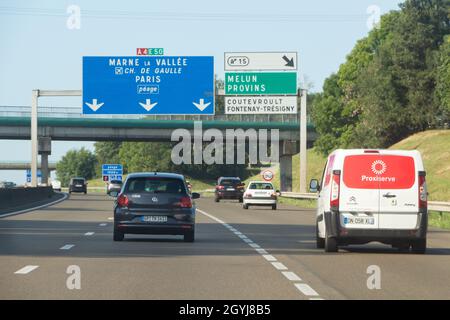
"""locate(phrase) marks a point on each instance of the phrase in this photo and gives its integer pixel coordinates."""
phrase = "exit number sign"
(150, 51)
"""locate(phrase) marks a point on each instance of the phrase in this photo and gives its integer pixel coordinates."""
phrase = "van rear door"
(359, 196)
(398, 181)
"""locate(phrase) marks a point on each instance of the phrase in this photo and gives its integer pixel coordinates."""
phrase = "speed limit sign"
(267, 175)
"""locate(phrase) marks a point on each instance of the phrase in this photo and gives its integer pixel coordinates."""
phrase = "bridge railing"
(75, 112)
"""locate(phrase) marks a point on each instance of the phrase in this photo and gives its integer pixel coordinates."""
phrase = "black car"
(78, 185)
(229, 188)
(154, 203)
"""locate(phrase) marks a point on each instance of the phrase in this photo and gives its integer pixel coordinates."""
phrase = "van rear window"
(379, 171)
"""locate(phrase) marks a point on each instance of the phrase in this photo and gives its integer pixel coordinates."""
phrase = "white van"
(372, 195)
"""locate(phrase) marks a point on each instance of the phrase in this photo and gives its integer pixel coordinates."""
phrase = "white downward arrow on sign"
(202, 105)
(148, 105)
(94, 106)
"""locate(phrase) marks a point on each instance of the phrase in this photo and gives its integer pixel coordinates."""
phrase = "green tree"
(76, 163)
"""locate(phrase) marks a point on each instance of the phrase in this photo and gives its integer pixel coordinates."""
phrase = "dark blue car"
(155, 203)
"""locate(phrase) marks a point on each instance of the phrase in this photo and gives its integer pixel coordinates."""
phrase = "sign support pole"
(303, 140)
(34, 138)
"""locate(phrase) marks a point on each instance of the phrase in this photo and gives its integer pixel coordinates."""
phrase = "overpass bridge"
(67, 124)
(23, 165)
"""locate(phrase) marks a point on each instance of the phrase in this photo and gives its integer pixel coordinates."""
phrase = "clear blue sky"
(39, 51)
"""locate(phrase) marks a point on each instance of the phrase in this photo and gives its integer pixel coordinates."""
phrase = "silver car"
(114, 185)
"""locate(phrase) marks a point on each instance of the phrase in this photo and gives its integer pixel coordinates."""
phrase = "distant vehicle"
(78, 185)
(154, 203)
(7, 184)
(372, 195)
(229, 188)
(260, 193)
(189, 185)
(114, 185)
(56, 185)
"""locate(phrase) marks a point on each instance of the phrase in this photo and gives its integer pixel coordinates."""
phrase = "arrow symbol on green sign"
(290, 62)
(148, 104)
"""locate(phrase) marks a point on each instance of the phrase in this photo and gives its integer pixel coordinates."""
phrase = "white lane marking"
(67, 247)
(89, 233)
(279, 266)
(35, 208)
(102, 224)
(26, 269)
(302, 287)
(291, 276)
(269, 257)
(261, 251)
(306, 289)
(110, 218)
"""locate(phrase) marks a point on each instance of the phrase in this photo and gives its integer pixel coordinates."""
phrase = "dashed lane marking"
(291, 276)
(89, 233)
(26, 269)
(67, 247)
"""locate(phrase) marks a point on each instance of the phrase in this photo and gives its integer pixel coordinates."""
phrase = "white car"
(372, 195)
(260, 193)
(56, 185)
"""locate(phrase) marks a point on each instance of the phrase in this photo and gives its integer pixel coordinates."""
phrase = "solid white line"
(26, 269)
(269, 257)
(254, 245)
(102, 224)
(89, 233)
(316, 299)
(279, 266)
(291, 276)
(67, 247)
(306, 289)
(35, 208)
(237, 233)
(248, 240)
(233, 230)
(242, 236)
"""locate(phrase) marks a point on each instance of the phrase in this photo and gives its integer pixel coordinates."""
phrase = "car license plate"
(230, 189)
(154, 219)
(78, 185)
(359, 220)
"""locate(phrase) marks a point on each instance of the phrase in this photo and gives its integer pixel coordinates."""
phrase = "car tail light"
(273, 195)
(123, 201)
(220, 187)
(185, 202)
(335, 184)
(422, 191)
(247, 195)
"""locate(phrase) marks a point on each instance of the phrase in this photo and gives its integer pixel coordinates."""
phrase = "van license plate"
(154, 219)
(359, 220)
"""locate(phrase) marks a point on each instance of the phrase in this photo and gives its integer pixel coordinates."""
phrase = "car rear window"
(261, 186)
(155, 185)
(116, 182)
(379, 171)
(229, 182)
(78, 181)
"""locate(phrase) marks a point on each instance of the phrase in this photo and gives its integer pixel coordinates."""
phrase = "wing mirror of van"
(314, 186)
(195, 195)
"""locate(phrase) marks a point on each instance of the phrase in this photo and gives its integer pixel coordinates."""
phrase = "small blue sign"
(112, 171)
(39, 174)
(148, 85)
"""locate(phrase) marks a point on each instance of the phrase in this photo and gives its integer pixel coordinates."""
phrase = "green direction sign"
(264, 83)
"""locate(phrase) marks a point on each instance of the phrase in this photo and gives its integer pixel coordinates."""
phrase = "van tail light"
(422, 191)
(185, 202)
(247, 195)
(123, 201)
(335, 184)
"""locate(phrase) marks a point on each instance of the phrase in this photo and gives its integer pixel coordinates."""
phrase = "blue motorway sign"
(148, 85)
(39, 174)
(112, 169)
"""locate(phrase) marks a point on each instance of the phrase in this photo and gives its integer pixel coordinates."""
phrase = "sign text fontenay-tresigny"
(261, 105)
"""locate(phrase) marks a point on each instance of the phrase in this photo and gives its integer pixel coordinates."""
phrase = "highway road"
(238, 254)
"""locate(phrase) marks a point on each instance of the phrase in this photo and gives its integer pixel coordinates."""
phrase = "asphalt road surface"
(238, 254)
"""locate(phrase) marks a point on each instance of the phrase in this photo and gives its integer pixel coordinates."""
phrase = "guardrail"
(439, 206)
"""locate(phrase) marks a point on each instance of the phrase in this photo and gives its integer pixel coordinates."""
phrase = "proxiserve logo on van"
(379, 171)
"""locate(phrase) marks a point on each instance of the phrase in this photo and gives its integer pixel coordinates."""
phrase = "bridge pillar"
(287, 149)
(45, 149)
